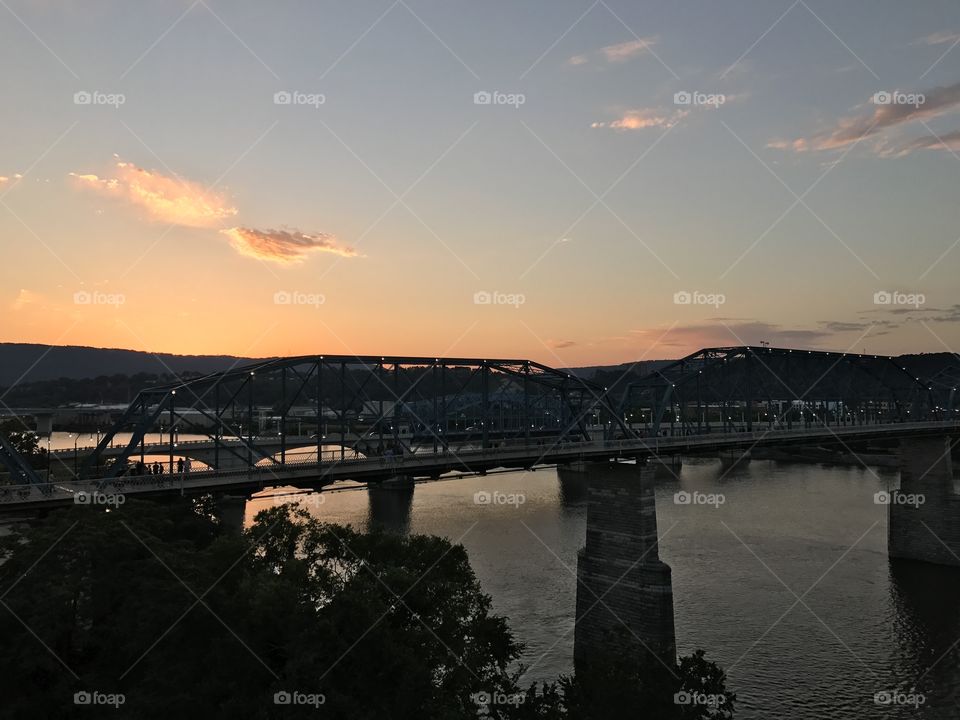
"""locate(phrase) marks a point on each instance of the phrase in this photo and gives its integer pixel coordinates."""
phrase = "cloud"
(560, 344)
(849, 130)
(949, 142)
(950, 315)
(721, 332)
(25, 299)
(641, 119)
(615, 54)
(283, 246)
(183, 202)
(798, 145)
(938, 38)
(165, 199)
(839, 326)
(626, 50)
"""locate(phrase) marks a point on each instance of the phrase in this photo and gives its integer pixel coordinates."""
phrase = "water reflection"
(573, 485)
(784, 530)
(926, 623)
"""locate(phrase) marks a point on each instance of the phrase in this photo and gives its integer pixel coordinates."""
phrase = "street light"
(75, 439)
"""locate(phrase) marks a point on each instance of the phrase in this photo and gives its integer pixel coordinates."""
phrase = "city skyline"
(598, 184)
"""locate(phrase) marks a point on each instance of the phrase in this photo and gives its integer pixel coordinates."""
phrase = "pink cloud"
(165, 199)
(641, 119)
(283, 246)
(619, 53)
(848, 130)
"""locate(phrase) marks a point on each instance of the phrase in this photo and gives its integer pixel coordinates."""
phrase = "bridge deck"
(315, 475)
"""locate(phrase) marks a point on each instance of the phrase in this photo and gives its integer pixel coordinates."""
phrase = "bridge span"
(310, 474)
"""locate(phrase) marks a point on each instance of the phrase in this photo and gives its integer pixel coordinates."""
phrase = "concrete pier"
(624, 590)
(231, 510)
(924, 515)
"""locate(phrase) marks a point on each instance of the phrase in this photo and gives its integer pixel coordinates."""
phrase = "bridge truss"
(733, 388)
(397, 405)
(373, 405)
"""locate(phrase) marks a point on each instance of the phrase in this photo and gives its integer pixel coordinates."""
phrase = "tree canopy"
(155, 609)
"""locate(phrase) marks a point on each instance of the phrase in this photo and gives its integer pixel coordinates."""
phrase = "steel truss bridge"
(421, 417)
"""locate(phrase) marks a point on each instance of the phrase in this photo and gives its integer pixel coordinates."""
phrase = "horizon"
(256, 358)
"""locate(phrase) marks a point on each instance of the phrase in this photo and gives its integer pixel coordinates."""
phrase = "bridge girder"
(716, 381)
(377, 395)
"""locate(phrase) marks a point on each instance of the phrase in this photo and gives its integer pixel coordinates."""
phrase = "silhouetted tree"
(155, 602)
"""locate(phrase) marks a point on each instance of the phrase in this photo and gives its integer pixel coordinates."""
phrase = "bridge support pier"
(624, 590)
(924, 515)
(231, 510)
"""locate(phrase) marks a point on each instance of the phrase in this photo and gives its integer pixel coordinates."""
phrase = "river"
(786, 584)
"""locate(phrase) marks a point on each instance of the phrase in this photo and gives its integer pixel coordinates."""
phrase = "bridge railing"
(89, 491)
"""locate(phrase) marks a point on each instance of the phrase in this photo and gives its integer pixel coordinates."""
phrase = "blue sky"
(583, 213)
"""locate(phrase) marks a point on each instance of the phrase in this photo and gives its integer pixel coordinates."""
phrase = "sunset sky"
(325, 177)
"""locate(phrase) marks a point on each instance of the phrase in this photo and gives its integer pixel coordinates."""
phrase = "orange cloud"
(25, 298)
(640, 119)
(889, 112)
(949, 142)
(165, 199)
(283, 246)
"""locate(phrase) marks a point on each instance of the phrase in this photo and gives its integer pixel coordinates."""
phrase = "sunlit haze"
(577, 184)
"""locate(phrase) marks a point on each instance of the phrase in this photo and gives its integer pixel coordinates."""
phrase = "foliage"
(159, 603)
(24, 442)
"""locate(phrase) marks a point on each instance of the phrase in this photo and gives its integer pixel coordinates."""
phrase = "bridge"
(312, 421)
(374, 470)
(319, 419)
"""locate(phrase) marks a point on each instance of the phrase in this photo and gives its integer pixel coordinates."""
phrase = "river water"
(786, 584)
